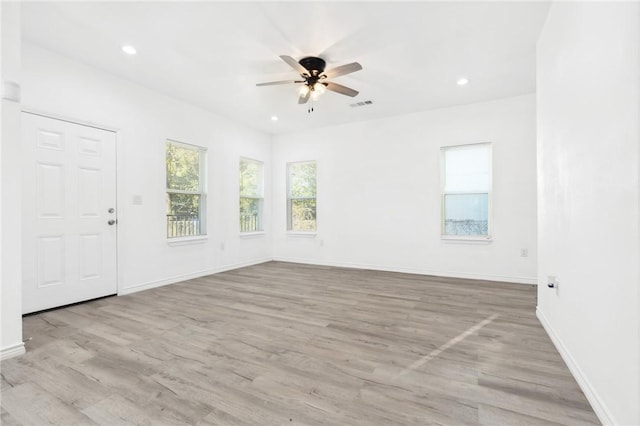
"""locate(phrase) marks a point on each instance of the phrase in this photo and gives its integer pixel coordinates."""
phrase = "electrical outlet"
(524, 252)
(222, 246)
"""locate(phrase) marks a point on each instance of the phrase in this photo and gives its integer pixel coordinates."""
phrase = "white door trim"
(62, 117)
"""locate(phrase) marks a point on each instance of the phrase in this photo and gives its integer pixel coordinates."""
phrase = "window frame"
(289, 210)
(443, 193)
(202, 193)
(260, 199)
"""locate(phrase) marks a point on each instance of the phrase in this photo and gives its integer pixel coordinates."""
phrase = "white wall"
(10, 194)
(379, 192)
(588, 82)
(144, 120)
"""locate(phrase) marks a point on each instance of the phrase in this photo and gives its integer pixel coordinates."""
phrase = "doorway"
(69, 213)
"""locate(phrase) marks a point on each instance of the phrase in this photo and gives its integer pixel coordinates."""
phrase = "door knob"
(111, 210)
(111, 222)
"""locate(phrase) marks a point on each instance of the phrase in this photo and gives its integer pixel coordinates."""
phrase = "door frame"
(119, 201)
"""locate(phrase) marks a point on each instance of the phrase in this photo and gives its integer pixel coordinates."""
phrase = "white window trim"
(296, 233)
(303, 234)
(200, 238)
(476, 239)
(184, 241)
(469, 239)
(252, 234)
(259, 232)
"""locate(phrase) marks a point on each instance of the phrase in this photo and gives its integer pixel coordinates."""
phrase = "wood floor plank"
(7, 419)
(490, 416)
(289, 344)
(118, 411)
(30, 404)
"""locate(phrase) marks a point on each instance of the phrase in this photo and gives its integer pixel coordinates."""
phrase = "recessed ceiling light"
(129, 50)
(462, 81)
(274, 118)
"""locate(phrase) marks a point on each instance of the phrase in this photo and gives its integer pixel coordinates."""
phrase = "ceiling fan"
(314, 77)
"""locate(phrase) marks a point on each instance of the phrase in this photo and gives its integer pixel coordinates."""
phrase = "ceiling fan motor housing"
(313, 64)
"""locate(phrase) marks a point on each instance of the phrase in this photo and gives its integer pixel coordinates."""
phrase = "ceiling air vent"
(360, 104)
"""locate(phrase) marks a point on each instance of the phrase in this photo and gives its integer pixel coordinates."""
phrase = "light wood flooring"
(287, 344)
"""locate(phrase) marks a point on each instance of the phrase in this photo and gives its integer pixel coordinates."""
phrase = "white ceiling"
(212, 54)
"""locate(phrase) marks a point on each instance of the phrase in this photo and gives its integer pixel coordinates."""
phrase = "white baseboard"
(175, 279)
(386, 268)
(12, 351)
(153, 284)
(599, 407)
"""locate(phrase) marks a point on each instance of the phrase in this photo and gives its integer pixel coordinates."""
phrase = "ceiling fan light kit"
(312, 71)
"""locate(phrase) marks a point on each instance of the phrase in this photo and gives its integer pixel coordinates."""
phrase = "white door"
(69, 216)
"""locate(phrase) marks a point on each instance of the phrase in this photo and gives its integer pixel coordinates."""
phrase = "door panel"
(50, 184)
(69, 249)
(51, 260)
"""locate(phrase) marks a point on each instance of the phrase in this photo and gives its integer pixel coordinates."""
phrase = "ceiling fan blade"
(304, 97)
(343, 69)
(271, 83)
(294, 64)
(339, 88)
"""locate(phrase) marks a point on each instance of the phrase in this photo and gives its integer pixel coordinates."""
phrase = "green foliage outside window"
(302, 180)
(301, 205)
(183, 168)
(251, 194)
(185, 195)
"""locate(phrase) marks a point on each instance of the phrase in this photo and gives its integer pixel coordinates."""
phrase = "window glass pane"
(183, 215)
(183, 168)
(467, 168)
(251, 178)
(303, 215)
(466, 214)
(250, 214)
(302, 179)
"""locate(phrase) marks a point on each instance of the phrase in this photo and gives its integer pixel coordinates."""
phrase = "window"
(466, 194)
(251, 195)
(301, 196)
(186, 196)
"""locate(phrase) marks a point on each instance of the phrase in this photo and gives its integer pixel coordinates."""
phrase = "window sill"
(255, 234)
(461, 239)
(183, 241)
(301, 234)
